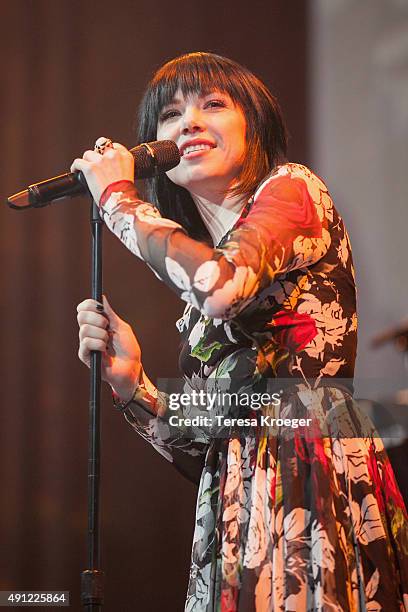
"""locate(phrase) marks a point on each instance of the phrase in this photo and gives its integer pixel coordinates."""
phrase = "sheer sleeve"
(159, 419)
(285, 229)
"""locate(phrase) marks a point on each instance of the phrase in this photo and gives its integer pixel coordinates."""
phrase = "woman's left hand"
(100, 171)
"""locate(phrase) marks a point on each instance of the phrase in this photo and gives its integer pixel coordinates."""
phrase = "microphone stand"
(92, 578)
(151, 157)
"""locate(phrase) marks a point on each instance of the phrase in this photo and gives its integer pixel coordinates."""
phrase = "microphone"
(151, 158)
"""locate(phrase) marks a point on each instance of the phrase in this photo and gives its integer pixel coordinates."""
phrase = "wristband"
(119, 404)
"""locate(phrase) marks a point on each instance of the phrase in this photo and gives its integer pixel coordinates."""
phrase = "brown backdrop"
(72, 71)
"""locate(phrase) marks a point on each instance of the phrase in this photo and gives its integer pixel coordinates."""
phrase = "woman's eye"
(214, 104)
(169, 114)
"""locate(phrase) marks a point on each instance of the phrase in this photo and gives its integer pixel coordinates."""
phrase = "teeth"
(198, 147)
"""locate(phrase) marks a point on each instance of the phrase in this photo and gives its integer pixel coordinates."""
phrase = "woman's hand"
(100, 329)
(100, 171)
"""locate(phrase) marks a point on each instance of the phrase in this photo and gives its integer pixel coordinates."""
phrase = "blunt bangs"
(198, 73)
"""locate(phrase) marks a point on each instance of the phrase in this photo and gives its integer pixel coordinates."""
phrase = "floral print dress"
(288, 518)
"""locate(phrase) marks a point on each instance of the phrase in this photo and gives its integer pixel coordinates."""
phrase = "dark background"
(73, 71)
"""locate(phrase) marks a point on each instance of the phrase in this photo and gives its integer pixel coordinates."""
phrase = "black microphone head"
(151, 158)
(154, 157)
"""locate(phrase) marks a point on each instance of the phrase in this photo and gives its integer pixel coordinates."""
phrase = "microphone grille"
(166, 153)
(156, 156)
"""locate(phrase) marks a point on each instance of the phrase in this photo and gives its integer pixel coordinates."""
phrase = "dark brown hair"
(266, 134)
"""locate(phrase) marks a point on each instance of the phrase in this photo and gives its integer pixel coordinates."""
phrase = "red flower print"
(319, 454)
(293, 330)
(290, 209)
(228, 603)
(372, 466)
(391, 489)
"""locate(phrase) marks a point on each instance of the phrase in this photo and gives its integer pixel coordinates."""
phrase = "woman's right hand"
(101, 329)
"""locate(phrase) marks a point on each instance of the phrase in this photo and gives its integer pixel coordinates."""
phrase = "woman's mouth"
(196, 150)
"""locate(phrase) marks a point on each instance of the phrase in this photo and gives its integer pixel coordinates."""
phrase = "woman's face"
(210, 133)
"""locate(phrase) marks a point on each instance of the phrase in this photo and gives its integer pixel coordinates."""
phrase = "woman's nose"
(192, 121)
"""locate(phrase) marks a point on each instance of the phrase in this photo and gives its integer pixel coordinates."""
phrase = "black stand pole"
(92, 578)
